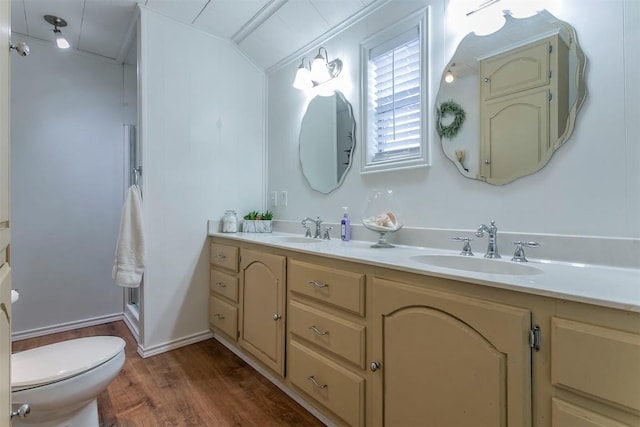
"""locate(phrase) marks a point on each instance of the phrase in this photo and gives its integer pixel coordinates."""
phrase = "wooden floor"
(203, 384)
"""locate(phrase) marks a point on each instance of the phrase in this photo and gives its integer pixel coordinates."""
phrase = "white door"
(5, 271)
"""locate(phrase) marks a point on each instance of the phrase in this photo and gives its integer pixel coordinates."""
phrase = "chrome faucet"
(492, 249)
(318, 231)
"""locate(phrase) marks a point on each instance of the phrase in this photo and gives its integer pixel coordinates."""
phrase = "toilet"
(61, 381)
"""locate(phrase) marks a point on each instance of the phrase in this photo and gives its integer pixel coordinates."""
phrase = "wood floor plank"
(203, 384)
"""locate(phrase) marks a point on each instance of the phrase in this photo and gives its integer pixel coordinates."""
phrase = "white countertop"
(594, 284)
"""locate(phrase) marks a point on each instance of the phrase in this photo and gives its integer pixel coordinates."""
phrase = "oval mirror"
(508, 100)
(327, 141)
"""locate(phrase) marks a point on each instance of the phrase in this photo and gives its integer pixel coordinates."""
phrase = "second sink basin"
(479, 265)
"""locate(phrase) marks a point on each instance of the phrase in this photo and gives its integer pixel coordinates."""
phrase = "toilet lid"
(59, 361)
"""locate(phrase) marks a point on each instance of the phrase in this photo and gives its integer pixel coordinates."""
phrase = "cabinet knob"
(374, 366)
(219, 316)
(277, 317)
(221, 285)
(486, 79)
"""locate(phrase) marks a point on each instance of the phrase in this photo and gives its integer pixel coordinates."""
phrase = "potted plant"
(257, 222)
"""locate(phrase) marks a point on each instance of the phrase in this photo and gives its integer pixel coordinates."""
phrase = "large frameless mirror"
(508, 100)
(327, 142)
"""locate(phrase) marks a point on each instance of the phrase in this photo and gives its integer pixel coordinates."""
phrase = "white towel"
(129, 264)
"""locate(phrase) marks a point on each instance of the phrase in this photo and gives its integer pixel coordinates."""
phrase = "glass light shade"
(303, 79)
(61, 42)
(381, 215)
(319, 70)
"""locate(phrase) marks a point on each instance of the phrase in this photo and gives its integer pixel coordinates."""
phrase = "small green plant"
(257, 216)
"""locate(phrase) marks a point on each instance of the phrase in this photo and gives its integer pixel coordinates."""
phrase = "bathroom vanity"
(396, 337)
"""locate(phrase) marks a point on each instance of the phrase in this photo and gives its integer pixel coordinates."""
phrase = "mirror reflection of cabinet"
(516, 62)
(523, 107)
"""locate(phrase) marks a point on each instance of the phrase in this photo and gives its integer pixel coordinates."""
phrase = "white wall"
(202, 134)
(591, 186)
(66, 185)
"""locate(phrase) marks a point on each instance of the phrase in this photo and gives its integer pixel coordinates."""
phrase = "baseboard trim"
(132, 324)
(63, 327)
(277, 382)
(145, 352)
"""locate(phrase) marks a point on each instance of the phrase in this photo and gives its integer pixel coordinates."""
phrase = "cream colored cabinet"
(595, 371)
(441, 359)
(223, 290)
(326, 347)
(523, 108)
(262, 329)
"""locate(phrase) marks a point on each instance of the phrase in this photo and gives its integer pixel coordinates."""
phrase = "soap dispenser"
(345, 226)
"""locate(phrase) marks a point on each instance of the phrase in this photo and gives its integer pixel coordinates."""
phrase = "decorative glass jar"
(230, 222)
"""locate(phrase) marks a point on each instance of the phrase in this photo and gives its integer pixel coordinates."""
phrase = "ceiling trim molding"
(267, 11)
(130, 36)
(296, 55)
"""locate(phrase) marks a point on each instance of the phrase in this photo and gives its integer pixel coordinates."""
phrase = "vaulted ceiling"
(265, 30)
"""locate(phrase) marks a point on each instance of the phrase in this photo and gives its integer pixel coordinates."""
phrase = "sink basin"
(478, 265)
(294, 239)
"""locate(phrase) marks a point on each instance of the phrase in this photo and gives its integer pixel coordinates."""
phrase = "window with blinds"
(394, 96)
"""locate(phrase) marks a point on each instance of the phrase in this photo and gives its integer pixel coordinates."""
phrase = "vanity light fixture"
(318, 72)
(449, 77)
(61, 41)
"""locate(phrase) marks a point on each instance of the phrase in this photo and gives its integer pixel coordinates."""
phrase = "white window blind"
(394, 82)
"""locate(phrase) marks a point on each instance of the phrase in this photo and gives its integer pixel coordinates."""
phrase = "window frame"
(419, 20)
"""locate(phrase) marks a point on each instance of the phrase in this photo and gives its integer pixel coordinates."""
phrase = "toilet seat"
(60, 361)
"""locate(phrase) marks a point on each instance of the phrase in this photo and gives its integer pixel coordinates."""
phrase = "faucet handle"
(518, 255)
(466, 248)
(326, 235)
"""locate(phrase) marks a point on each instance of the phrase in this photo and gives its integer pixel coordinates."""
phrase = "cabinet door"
(448, 360)
(263, 301)
(515, 136)
(516, 70)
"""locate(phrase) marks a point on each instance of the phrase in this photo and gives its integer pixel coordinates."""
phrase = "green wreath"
(451, 130)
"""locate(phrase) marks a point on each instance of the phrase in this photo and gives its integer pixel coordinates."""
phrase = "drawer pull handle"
(318, 331)
(219, 316)
(221, 256)
(315, 383)
(221, 285)
(318, 285)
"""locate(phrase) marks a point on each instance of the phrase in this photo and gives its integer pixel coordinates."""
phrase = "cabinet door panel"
(578, 347)
(224, 317)
(223, 284)
(564, 414)
(450, 360)
(515, 71)
(261, 333)
(515, 136)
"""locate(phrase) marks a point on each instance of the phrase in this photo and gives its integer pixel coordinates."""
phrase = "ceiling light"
(61, 41)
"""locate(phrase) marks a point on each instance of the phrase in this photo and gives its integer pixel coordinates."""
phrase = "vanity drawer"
(224, 256)
(224, 284)
(598, 361)
(336, 388)
(224, 317)
(338, 336)
(341, 288)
